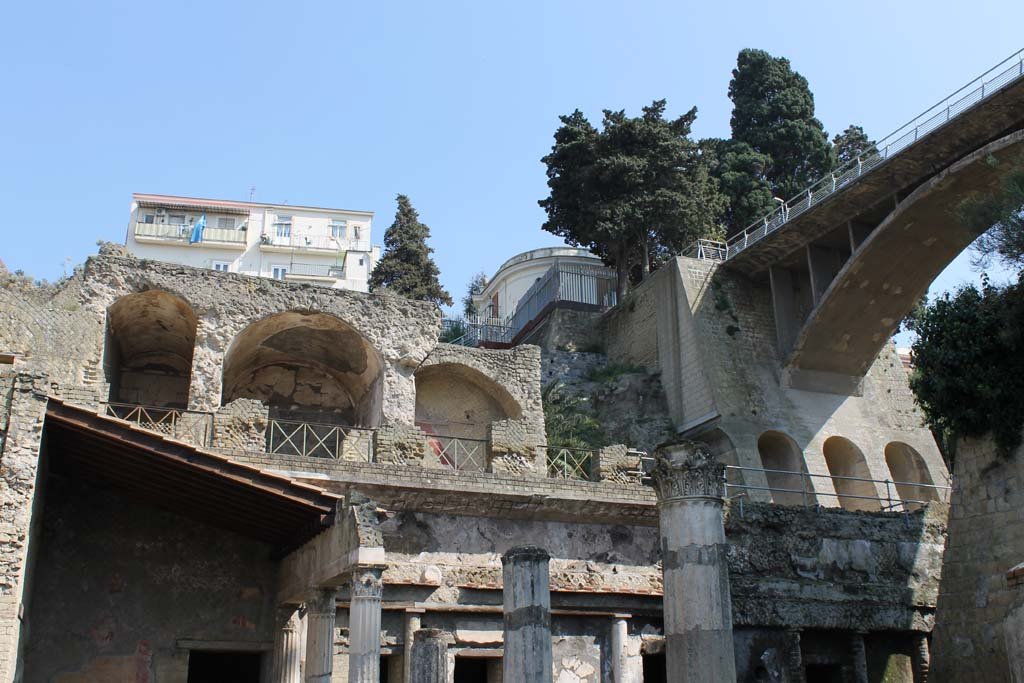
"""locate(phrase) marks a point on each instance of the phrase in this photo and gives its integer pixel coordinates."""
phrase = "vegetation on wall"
(568, 420)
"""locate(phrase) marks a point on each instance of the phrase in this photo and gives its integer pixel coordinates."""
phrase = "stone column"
(922, 657)
(411, 625)
(690, 485)
(364, 626)
(429, 656)
(860, 658)
(794, 657)
(617, 647)
(527, 607)
(287, 645)
(320, 613)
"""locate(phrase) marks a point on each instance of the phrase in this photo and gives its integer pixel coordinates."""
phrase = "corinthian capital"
(687, 469)
(367, 583)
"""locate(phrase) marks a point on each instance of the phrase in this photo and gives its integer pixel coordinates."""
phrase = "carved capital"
(288, 618)
(367, 583)
(322, 603)
(687, 469)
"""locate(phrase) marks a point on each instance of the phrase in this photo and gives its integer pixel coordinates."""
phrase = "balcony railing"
(316, 270)
(182, 233)
(459, 453)
(568, 463)
(315, 242)
(195, 427)
(312, 440)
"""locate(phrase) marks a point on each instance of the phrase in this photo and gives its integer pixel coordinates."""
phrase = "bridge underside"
(843, 298)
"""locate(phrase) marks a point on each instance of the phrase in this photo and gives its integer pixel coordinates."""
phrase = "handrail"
(877, 154)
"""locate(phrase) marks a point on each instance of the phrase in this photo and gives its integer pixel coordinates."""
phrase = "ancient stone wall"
(975, 631)
(118, 586)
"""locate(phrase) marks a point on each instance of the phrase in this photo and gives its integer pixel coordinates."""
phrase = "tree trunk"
(645, 261)
(621, 272)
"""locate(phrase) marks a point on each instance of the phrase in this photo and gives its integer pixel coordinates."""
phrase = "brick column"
(859, 656)
(921, 657)
(690, 485)
(527, 607)
(364, 626)
(429, 657)
(320, 614)
(287, 650)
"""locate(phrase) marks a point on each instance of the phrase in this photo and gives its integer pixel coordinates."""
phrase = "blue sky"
(453, 103)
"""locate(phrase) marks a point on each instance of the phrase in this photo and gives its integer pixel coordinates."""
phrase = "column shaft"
(617, 646)
(287, 646)
(320, 614)
(922, 658)
(364, 627)
(411, 625)
(690, 486)
(795, 658)
(527, 607)
(429, 657)
(860, 658)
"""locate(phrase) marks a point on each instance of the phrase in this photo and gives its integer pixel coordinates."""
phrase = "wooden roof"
(184, 479)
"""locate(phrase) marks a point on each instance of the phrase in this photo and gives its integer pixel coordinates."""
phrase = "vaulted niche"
(779, 452)
(909, 471)
(148, 352)
(457, 400)
(844, 459)
(306, 366)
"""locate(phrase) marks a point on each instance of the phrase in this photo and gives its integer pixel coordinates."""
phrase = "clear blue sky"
(346, 104)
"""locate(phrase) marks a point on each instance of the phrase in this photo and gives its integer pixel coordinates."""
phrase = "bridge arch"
(150, 339)
(306, 365)
(909, 472)
(863, 304)
(844, 459)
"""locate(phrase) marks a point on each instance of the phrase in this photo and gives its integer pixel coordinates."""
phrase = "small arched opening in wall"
(460, 401)
(148, 351)
(306, 366)
(910, 473)
(783, 461)
(844, 459)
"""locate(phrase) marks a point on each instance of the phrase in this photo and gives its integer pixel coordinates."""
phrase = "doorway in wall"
(223, 667)
(654, 668)
(477, 669)
(823, 673)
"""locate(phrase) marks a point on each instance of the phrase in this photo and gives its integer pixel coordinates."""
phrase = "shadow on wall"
(306, 366)
(848, 468)
(148, 351)
(460, 401)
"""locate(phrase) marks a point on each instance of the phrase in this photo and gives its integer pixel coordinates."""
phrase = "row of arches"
(784, 462)
(303, 365)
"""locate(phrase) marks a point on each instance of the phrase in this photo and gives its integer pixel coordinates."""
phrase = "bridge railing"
(876, 154)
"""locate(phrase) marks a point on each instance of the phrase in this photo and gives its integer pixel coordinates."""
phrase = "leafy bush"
(568, 420)
(612, 371)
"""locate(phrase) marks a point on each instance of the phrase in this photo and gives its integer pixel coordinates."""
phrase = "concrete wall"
(976, 625)
(711, 333)
(118, 584)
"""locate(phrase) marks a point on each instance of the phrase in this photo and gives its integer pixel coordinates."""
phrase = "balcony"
(313, 243)
(164, 233)
(315, 271)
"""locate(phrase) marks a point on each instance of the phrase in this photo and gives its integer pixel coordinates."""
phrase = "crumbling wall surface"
(118, 583)
(567, 329)
(22, 410)
(986, 540)
(834, 569)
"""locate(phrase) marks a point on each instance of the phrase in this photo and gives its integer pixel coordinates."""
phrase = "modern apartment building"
(329, 247)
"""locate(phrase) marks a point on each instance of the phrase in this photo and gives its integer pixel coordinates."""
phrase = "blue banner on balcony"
(197, 230)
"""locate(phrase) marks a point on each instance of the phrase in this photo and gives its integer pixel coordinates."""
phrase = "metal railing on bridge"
(876, 154)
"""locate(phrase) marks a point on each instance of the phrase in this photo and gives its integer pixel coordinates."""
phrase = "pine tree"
(741, 175)
(773, 112)
(406, 268)
(851, 143)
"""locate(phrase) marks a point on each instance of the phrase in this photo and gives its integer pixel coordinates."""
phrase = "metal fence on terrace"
(565, 282)
(195, 427)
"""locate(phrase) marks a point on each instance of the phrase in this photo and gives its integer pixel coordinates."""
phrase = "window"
(283, 226)
(357, 232)
(176, 219)
(222, 266)
(338, 228)
(361, 260)
(226, 223)
(149, 218)
(278, 272)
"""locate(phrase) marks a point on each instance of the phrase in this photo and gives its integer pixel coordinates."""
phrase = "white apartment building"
(329, 247)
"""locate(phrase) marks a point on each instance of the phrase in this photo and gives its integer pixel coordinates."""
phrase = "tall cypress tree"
(773, 112)
(851, 143)
(406, 268)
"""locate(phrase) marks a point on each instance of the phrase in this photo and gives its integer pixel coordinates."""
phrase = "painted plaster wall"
(118, 583)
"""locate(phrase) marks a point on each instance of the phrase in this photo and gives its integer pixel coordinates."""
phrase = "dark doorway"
(470, 670)
(223, 667)
(654, 668)
(823, 673)
(385, 668)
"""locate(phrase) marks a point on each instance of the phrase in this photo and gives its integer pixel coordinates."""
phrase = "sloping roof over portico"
(184, 479)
